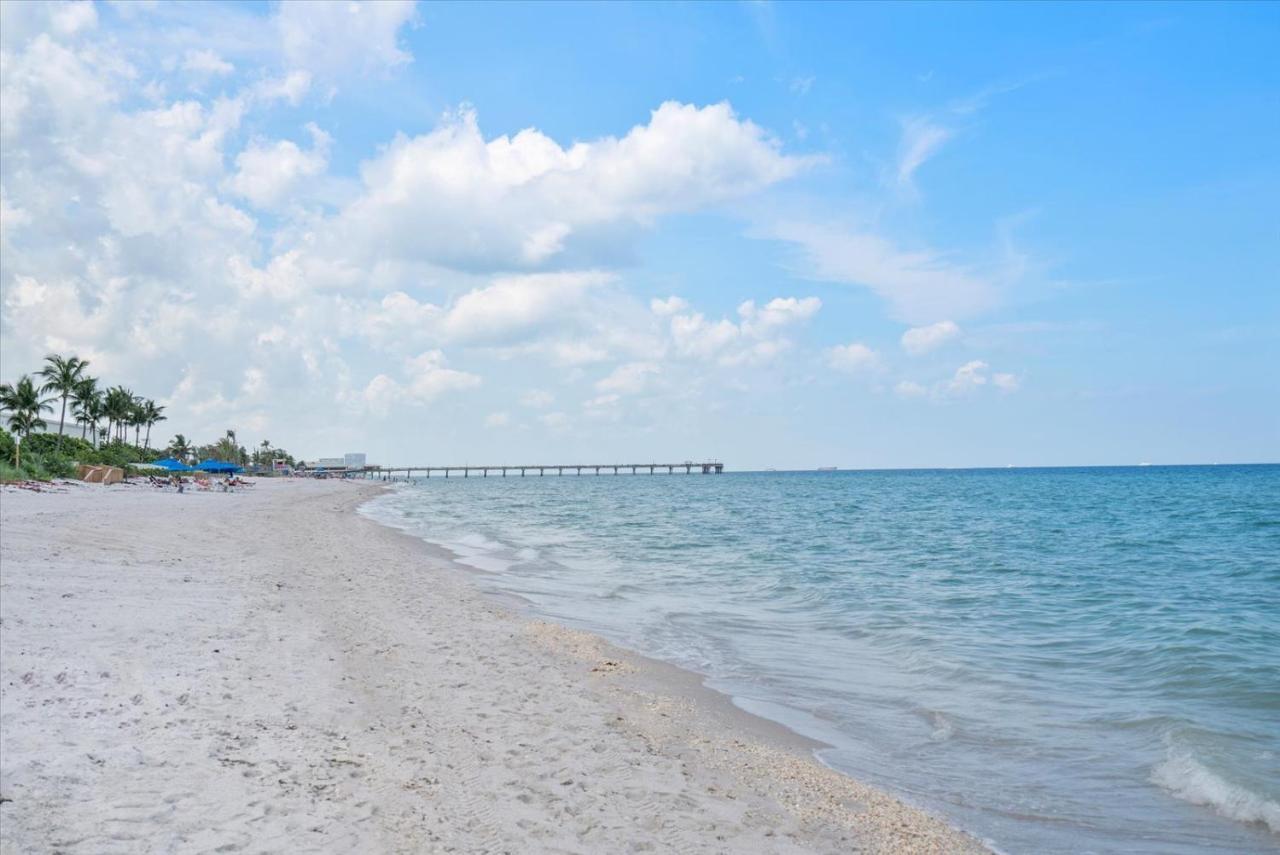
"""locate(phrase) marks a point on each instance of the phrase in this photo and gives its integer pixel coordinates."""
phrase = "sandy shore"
(267, 671)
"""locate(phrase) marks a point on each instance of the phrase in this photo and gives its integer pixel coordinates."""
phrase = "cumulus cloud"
(669, 306)
(514, 306)
(291, 88)
(207, 62)
(919, 340)
(425, 378)
(71, 18)
(190, 251)
(454, 198)
(756, 338)
(333, 38)
(271, 174)
(630, 378)
(853, 358)
(497, 420)
(910, 389)
(968, 377)
(778, 312)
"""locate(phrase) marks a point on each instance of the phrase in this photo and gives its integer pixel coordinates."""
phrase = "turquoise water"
(1060, 660)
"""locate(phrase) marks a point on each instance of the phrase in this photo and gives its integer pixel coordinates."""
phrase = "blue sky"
(969, 234)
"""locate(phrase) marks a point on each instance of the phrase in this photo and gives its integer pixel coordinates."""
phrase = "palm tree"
(110, 409)
(24, 405)
(226, 448)
(151, 414)
(264, 456)
(62, 374)
(181, 448)
(95, 410)
(232, 448)
(119, 411)
(85, 400)
(137, 418)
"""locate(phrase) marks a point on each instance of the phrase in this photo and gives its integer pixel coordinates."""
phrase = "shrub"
(118, 454)
(46, 444)
(42, 467)
(8, 448)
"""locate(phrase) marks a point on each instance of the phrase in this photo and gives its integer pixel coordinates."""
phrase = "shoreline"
(366, 704)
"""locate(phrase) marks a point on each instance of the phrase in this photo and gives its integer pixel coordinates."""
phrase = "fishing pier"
(688, 467)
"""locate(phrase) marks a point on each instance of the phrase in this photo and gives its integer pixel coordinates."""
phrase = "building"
(349, 462)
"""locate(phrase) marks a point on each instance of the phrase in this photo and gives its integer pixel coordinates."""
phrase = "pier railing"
(688, 467)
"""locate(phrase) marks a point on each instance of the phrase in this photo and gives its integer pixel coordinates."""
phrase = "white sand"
(266, 671)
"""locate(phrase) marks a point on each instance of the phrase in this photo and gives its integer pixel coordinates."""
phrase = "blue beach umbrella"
(217, 466)
(173, 465)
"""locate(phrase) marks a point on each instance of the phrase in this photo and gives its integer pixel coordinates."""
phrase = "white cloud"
(230, 276)
(331, 38)
(291, 88)
(967, 380)
(853, 358)
(630, 378)
(755, 339)
(1006, 382)
(453, 198)
(72, 18)
(919, 285)
(497, 420)
(283, 278)
(919, 340)
(603, 406)
(515, 306)
(425, 379)
(270, 175)
(910, 389)
(669, 306)
(207, 62)
(968, 377)
(921, 140)
(11, 216)
(778, 312)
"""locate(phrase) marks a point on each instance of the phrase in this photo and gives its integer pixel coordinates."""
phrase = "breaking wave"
(1192, 781)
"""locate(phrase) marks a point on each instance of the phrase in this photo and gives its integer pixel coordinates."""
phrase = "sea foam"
(1192, 781)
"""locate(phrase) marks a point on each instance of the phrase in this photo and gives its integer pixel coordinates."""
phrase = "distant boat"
(828, 468)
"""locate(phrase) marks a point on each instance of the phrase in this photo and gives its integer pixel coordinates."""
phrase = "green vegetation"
(24, 405)
(40, 456)
(8, 448)
(62, 375)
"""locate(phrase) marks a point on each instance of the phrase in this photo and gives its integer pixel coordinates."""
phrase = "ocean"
(1058, 660)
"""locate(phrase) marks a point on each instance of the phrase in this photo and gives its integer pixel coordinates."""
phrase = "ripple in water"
(1060, 660)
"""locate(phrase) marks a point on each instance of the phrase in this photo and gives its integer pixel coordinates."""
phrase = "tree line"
(105, 416)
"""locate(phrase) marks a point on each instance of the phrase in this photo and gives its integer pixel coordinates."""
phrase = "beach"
(269, 671)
